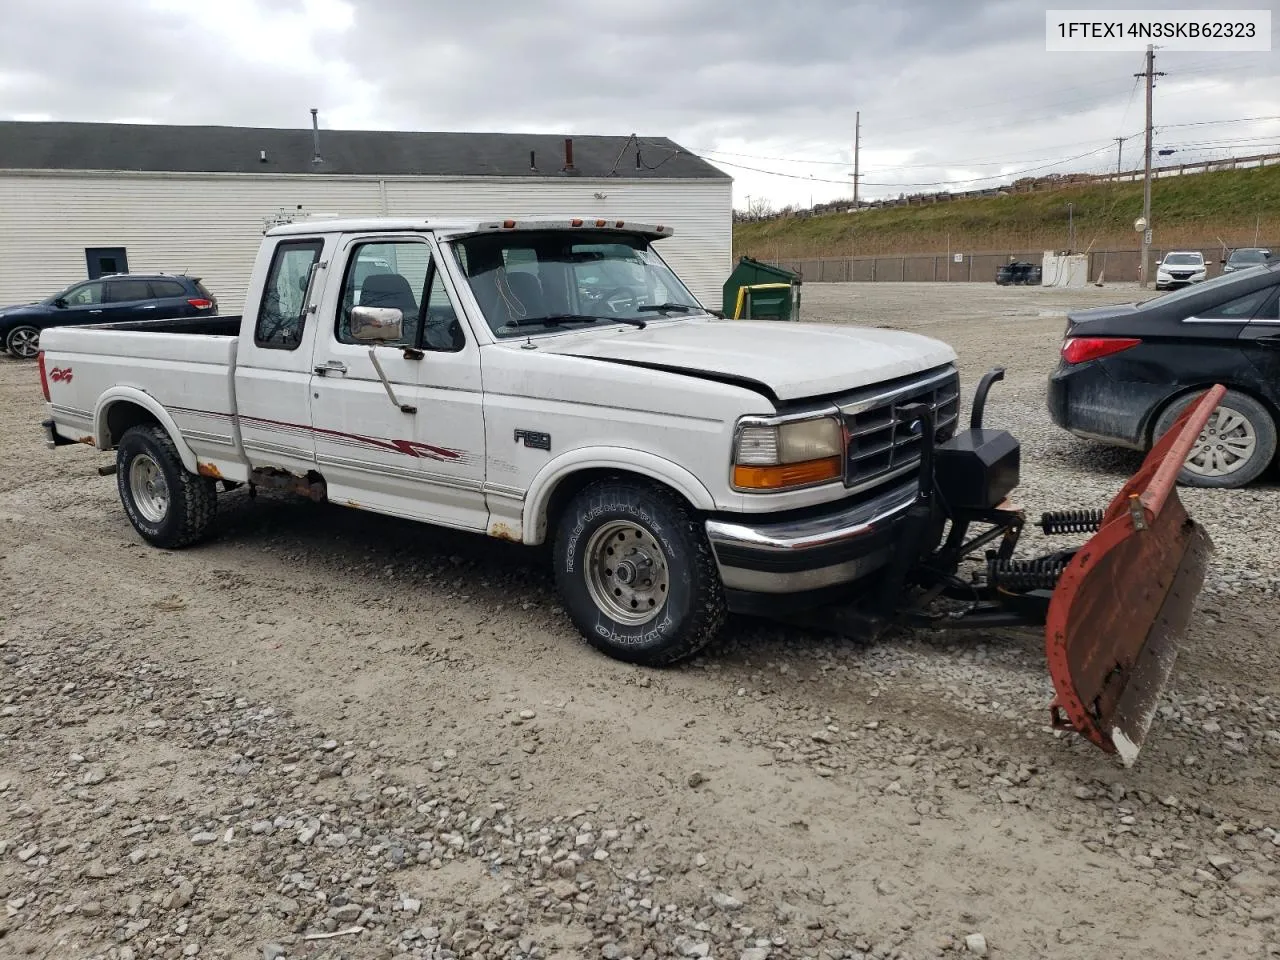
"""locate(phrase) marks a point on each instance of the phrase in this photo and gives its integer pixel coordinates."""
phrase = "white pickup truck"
(553, 380)
(533, 380)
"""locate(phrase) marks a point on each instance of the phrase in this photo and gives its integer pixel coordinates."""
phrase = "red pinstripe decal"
(411, 448)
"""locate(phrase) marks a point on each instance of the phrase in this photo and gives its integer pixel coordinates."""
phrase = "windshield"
(1196, 289)
(1248, 256)
(1183, 260)
(552, 279)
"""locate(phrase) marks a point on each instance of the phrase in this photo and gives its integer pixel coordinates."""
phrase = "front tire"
(1235, 447)
(23, 341)
(168, 506)
(636, 573)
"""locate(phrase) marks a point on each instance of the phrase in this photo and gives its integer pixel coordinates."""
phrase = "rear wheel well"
(122, 415)
(574, 483)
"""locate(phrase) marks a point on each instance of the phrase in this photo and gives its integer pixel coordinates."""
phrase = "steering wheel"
(620, 300)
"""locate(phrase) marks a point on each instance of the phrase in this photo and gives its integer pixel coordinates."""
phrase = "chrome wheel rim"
(627, 574)
(24, 342)
(1226, 444)
(149, 488)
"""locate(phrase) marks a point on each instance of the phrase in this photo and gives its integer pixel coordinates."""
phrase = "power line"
(924, 183)
(981, 161)
(976, 161)
(1214, 123)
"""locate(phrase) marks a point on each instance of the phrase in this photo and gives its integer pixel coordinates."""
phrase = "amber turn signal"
(786, 475)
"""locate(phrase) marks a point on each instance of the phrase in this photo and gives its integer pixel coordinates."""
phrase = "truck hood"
(791, 361)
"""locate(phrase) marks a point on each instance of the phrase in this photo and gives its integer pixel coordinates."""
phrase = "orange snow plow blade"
(1124, 601)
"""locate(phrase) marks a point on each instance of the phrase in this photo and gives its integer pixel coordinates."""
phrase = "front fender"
(534, 520)
(102, 435)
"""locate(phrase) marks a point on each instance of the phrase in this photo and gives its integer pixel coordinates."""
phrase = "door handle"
(151, 307)
(331, 366)
(95, 311)
(1272, 341)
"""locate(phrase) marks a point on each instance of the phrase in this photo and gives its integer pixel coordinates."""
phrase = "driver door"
(83, 305)
(421, 455)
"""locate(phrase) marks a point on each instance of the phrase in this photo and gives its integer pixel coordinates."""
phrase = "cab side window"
(282, 313)
(400, 275)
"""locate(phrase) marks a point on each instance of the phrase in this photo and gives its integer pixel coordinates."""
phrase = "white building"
(81, 199)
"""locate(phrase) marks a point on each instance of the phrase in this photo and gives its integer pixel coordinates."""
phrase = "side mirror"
(60, 303)
(1223, 260)
(377, 324)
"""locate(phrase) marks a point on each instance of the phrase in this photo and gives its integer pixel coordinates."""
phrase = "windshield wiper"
(655, 307)
(559, 318)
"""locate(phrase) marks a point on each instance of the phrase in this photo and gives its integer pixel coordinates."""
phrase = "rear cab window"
(282, 312)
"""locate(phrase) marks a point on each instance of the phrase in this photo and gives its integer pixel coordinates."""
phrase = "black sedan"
(1127, 372)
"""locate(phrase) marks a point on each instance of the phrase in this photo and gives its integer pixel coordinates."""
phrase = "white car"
(1180, 268)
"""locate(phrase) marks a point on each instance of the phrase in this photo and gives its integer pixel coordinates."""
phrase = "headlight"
(780, 456)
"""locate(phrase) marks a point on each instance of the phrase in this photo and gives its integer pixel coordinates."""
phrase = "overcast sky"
(949, 90)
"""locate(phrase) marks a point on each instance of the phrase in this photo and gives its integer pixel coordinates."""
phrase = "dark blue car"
(124, 296)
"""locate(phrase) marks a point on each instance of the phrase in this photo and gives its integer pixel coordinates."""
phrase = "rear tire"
(168, 506)
(23, 341)
(636, 573)
(1230, 457)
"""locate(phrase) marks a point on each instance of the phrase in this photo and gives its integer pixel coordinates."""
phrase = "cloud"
(947, 91)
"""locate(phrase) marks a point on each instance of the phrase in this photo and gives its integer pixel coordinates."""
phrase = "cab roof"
(457, 228)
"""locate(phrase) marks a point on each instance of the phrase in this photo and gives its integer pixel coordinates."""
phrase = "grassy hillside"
(1187, 211)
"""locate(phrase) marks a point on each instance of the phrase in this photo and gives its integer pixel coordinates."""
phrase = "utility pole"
(1150, 74)
(857, 143)
(1119, 154)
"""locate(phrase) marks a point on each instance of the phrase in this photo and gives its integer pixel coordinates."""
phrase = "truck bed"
(180, 368)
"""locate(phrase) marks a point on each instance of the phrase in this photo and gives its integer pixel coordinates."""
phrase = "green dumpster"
(761, 291)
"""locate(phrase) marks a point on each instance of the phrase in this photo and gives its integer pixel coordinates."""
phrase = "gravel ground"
(326, 734)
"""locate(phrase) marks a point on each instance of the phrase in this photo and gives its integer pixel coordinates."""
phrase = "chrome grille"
(881, 445)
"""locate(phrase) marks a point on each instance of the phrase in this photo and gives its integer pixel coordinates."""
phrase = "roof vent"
(262, 156)
(315, 136)
(569, 170)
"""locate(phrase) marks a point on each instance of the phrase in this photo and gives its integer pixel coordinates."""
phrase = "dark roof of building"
(26, 145)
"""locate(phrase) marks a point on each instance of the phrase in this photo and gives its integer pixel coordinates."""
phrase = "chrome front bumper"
(795, 556)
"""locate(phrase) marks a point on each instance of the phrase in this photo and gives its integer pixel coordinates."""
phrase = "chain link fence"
(1115, 266)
